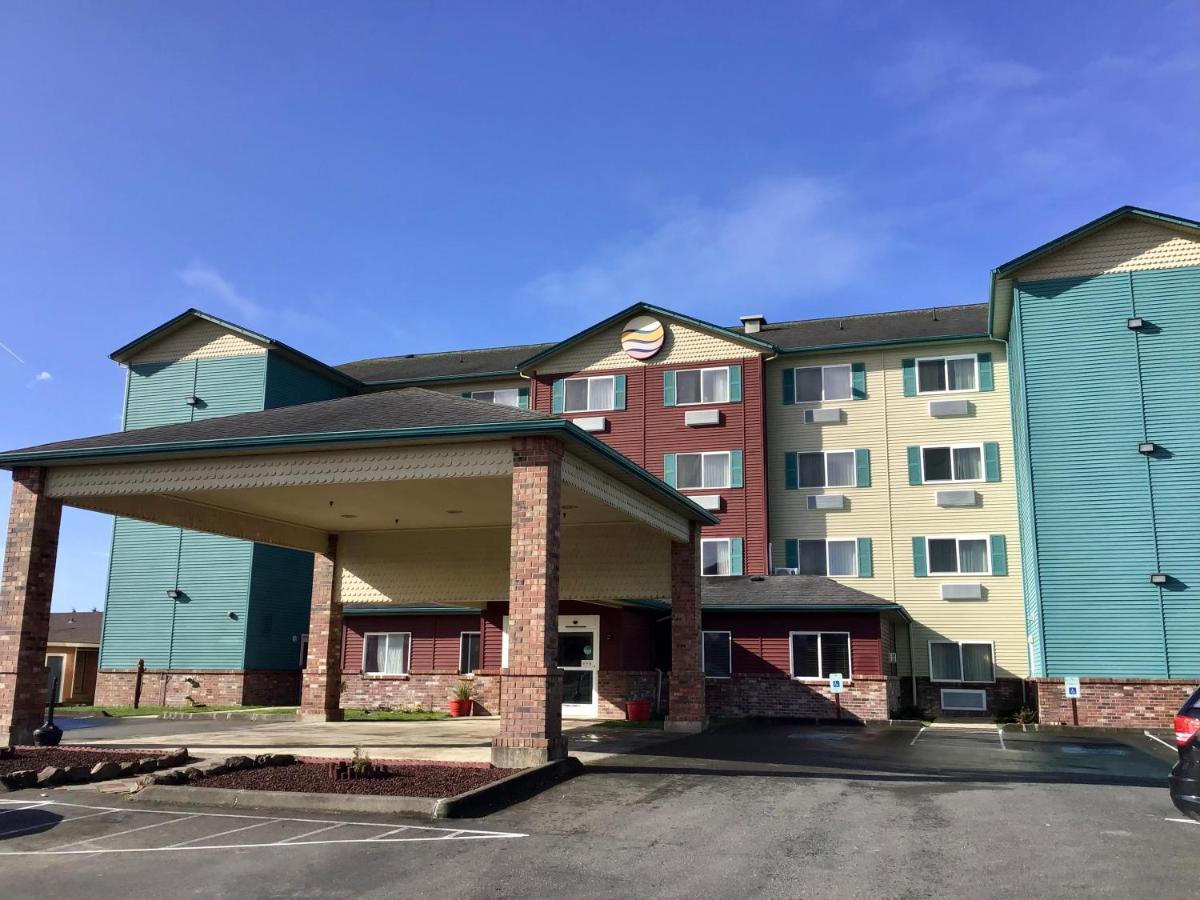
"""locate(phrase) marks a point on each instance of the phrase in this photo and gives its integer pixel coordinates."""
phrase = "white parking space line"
(1000, 734)
(297, 837)
(1155, 737)
(1183, 821)
(919, 733)
(380, 837)
(116, 834)
(209, 837)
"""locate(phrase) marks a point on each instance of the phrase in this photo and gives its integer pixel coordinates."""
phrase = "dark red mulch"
(37, 758)
(403, 781)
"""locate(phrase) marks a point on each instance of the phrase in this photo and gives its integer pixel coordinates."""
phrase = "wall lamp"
(1158, 578)
(1137, 322)
(1147, 447)
(174, 594)
(192, 401)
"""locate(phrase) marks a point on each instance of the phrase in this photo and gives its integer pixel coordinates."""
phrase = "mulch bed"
(412, 780)
(37, 758)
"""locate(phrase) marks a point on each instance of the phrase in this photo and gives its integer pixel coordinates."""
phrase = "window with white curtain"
(818, 654)
(588, 394)
(832, 468)
(953, 463)
(959, 556)
(715, 556)
(702, 386)
(947, 374)
(702, 470)
(834, 558)
(386, 653)
(967, 661)
(817, 383)
(506, 397)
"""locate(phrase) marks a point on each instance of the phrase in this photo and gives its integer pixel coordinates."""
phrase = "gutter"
(889, 343)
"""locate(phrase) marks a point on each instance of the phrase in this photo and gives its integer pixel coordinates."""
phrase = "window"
(834, 468)
(715, 557)
(817, 383)
(702, 470)
(716, 650)
(818, 654)
(386, 654)
(468, 652)
(964, 463)
(702, 386)
(947, 374)
(968, 661)
(959, 556)
(835, 558)
(587, 394)
(506, 397)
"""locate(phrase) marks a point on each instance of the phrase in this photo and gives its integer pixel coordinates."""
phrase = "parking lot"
(777, 810)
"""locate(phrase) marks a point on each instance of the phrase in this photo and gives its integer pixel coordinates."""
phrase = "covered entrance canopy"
(404, 497)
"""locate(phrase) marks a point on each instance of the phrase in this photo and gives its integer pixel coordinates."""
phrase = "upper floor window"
(817, 383)
(721, 556)
(590, 394)
(702, 386)
(959, 556)
(838, 559)
(962, 661)
(947, 374)
(702, 470)
(954, 463)
(829, 468)
(504, 397)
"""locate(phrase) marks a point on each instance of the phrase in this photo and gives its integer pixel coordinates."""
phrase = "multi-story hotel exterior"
(952, 507)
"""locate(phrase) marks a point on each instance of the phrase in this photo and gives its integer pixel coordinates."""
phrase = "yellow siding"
(198, 340)
(890, 511)
(681, 345)
(458, 388)
(1131, 245)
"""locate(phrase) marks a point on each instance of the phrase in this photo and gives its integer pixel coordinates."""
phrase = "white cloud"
(205, 278)
(777, 238)
(43, 376)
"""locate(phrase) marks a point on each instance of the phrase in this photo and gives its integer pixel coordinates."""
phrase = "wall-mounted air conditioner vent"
(959, 700)
(827, 501)
(787, 571)
(822, 416)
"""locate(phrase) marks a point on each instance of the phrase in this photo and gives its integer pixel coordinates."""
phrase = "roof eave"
(855, 345)
(432, 379)
(806, 607)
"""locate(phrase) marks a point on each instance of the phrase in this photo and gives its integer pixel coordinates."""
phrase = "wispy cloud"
(205, 278)
(43, 376)
(11, 353)
(778, 238)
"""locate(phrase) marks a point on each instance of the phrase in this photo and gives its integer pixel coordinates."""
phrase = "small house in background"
(73, 655)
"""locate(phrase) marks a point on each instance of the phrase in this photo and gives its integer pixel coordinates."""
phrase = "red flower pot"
(460, 708)
(637, 710)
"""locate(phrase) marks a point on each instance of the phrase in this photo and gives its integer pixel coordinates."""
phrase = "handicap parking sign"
(1071, 688)
(836, 683)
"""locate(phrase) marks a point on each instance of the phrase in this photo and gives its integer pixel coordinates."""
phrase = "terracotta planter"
(460, 708)
(637, 710)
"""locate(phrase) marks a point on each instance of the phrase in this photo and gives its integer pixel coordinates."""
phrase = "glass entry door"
(578, 656)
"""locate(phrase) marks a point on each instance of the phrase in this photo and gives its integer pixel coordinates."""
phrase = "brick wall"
(687, 679)
(321, 681)
(1114, 702)
(429, 690)
(214, 687)
(1003, 697)
(777, 696)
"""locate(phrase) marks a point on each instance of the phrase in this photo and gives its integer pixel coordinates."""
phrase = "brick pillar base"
(320, 698)
(29, 559)
(687, 709)
(531, 686)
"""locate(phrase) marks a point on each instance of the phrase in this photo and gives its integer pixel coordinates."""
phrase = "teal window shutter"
(866, 568)
(862, 468)
(466, 395)
(999, 555)
(914, 466)
(735, 468)
(735, 384)
(987, 381)
(920, 567)
(523, 398)
(735, 556)
(619, 392)
(558, 395)
(789, 387)
(858, 378)
(991, 461)
(669, 388)
(791, 553)
(791, 470)
(669, 469)
(909, 369)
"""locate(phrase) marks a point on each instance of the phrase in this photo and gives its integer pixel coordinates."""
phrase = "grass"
(395, 715)
(121, 712)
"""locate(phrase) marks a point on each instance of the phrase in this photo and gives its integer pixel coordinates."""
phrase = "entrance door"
(578, 657)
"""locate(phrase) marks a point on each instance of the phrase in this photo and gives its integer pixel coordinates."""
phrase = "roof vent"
(753, 324)
(757, 578)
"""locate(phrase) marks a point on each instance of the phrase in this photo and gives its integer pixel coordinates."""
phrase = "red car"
(1185, 777)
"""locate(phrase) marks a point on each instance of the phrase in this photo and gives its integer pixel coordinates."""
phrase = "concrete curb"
(516, 787)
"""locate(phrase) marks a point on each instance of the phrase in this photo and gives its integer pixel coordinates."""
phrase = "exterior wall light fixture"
(174, 594)
(192, 401)
(1158, 578)
(1136, 323)
(1147, 447)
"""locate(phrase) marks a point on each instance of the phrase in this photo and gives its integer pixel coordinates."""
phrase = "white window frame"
(516, 392)
(729, 645)
(567, 408)
(962, 670)
(827, 542)
(728, 454)
(952, 479)
(987, 543)
(944, 360)
(728, 555)
(461, 637)
(846, 676)
(700, 372)
(362, 665)
(824, 399)
(825, 454)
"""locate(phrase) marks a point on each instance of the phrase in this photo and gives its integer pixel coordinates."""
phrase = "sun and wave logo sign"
(642, 337)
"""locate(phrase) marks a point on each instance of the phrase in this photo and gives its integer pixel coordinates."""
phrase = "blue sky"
(361, 179)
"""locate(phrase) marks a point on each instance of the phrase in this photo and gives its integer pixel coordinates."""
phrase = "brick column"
(29, 559)
(531, 686)
(322, 691)
(687, 707)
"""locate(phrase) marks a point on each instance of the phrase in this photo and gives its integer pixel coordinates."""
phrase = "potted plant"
(461, 703)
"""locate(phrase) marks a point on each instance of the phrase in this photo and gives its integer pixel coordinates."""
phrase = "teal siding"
(281, 589)
(288, 384)
(157, 394)
(214, 576)
(138, 614)
(1104, 516)
(229, 385)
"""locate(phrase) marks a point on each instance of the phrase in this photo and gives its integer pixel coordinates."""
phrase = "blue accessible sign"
(836, 683)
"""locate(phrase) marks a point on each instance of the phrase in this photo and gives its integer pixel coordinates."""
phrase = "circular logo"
(642, 337)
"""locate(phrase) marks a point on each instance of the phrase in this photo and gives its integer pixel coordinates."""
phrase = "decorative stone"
(128, 768)
(20, 779)
(173, 777)
(147, 764)
(281, 759)
(173, 758)
(51, 776)
(78, 774)
(102, 771)
(234, 763)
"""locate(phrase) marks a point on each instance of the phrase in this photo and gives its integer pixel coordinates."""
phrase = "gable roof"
(491, 362)
(75, 628)
(935, 323)
(788, 592)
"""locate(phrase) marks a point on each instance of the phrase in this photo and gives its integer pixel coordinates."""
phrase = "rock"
(20, 779)
(174, 777)
(281, 759)
(191, 773)
(129, 768)
(51, 776)
(173, 758)
(209, 770)
(102, 771)
(262, 760)
(234, 763)
(147, 764)
(78, 774)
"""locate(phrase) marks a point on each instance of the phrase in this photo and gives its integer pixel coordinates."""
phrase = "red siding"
(760, 639)
(626, 635)
(435, 639)
(646, 430)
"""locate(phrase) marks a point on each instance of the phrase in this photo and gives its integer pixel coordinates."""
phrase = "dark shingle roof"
(441, 365)
(784, 590)
(75, 628)
(937, 322)
(402, 408)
